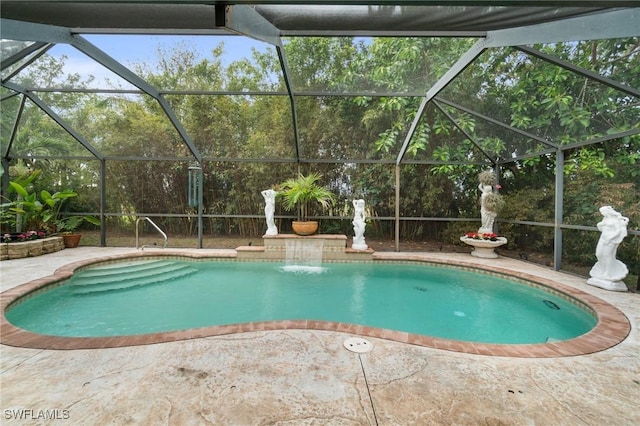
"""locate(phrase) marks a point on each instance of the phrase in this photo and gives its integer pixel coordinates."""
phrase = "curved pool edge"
(611, 329)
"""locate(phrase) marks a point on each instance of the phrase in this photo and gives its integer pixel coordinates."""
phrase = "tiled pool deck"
(299, 372)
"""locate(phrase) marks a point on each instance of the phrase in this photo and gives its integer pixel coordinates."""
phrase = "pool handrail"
(166, 239)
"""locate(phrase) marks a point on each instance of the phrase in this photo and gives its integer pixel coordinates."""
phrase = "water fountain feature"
(303, 255)
(333, 248)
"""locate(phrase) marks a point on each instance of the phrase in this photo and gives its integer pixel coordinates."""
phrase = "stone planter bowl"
(484, 248)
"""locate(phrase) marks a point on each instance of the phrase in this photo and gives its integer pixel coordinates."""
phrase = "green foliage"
(589, 159)
(301, 192)
(534, 96)
(20, 208)
(71, 223)
(29, 209)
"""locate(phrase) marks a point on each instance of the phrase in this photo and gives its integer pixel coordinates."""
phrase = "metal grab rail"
(166, 239)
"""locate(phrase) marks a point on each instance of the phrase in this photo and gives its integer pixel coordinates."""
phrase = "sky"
(142, 49)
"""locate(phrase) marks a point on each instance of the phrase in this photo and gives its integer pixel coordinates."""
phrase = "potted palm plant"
(300, 193)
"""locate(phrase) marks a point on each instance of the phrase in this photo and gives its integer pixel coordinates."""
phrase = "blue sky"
(138, 49)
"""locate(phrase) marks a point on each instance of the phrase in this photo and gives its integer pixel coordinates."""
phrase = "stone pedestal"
(358, 245)
(484, 248)
(607, 285)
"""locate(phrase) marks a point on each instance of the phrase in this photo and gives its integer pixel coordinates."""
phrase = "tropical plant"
(69, 224)
(51, 205)
(300, 192)
(23, 211)
(44, 213)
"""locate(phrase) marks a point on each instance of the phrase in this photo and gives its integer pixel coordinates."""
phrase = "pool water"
(167, 295)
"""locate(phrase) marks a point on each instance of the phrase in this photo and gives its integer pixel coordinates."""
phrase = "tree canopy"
(355, 100)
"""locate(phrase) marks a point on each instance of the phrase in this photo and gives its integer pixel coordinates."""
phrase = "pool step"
(127, 277)
(126, 272)
(122, 268)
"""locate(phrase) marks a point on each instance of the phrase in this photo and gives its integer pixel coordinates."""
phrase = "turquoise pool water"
(166, 295)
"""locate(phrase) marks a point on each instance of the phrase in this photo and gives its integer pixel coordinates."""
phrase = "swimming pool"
(169, 295)
(605, 333)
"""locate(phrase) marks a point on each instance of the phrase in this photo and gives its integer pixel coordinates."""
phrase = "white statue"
(490, 201)
(358, 226)
(490, 204)
(487, 215)
(608, 272)
(269, 209)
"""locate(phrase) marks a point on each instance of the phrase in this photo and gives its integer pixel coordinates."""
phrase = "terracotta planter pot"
(71, 240)
(308, 227)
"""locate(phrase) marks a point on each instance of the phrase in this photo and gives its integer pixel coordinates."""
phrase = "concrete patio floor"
(306, 377)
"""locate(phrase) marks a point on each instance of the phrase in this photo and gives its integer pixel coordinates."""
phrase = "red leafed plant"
(483, 236)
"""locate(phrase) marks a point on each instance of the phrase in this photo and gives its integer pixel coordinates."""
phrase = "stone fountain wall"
(335, 248)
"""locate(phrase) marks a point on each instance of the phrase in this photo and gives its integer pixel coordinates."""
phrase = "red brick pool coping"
(611, 329)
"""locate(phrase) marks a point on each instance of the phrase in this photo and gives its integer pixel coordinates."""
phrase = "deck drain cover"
(358, 344)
